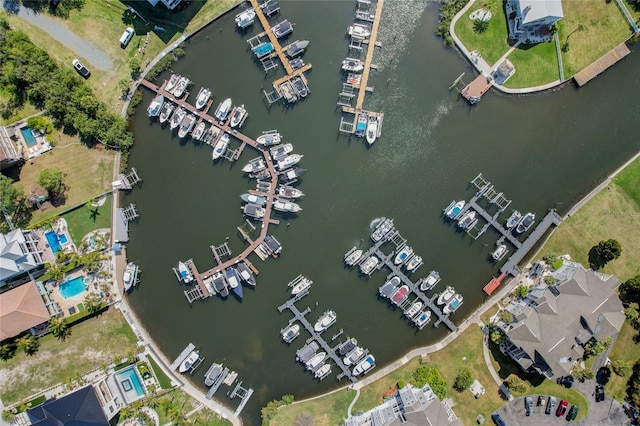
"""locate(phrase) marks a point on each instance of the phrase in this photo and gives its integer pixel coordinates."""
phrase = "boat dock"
(183, 355)
(217, 382)
(244, 395)
(608, 60)
(127, 180)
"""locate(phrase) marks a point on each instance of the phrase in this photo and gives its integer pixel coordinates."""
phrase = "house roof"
(533, 11)
(20, 309)
(14, 255)
(79, 408)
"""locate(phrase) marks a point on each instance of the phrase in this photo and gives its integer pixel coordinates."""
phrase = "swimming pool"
(130, 382)
(55, 240)
(72, 287)
(28, 136)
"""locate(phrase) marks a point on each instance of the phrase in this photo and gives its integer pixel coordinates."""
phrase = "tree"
(7, 351)
(13, 204)
(93, 302)
(631, 312)
(516, 384)
(630, 290)
(596, 347)
(426, 374)
(59, 327)
(505, 316)
(134, 65)
(28, 343)
(496, 336)
(53, 181)
(480, 26)
(622, 368)
(464, 379)
(582, 374)
(604, 252)
(55, 272)
(521, 291)
(565, 46)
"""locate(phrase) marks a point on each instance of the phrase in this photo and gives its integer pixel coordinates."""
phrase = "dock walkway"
(272, 38)
(600, 65)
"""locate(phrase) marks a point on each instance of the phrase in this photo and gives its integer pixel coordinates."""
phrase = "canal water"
(542, 151)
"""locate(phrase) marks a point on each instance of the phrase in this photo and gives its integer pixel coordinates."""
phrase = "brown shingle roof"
(20, 309)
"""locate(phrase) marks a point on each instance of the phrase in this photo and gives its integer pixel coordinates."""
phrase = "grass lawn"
(93, 343)
(604, 27)
(83, 220)
(163, 380)
(326, 411)
(491, 43)
(540, 63)
(629, 180)
(22, 113)
(624, 350)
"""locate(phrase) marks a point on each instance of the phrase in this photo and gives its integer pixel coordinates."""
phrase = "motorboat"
(289, 160)
(430, 281)
(281, 29)
(400, 295)
(454, 209)
(301, 286)
(364, 366)
(352, 65)
(185, 273)
(422, 318)
(291, 175)
(307, 352)
(372, 129)
(245, 274)
(359, 31)
(186, 125)
(446, 295)
(155, 106)
(221, 147)
(238, 116)
(223, 110)
(212, 374)
(325, 321)
(234, 281)
(290, 333)
(220, 284)
(526, 222)
(245, 18)
(347, 346)
(286, 206)
(263, 49)
(514, 219)
(403, 255)
(269, 139)
(413, 263)
(269, 7)
(167, 109)
(384, 226)
(316, 360)
(323, 371)
(286, 191)
(254, 211)
(279, 152)
(188, 362)
(369, 265)
(296, 63)
(254, 166)
(413, 309)
(171, 84)
(353, 256)
(203, 97)
(361, 124)
(129, 276)
(258, 200)
(499, 252)
(467, 219)
(272, 244)
(354, 356)
(354, 79)
(299, 86)
(296, 48)
(453, 304)
(181, 86)
(390, 286)
(210, 135)
(177, 117)
(198, 132)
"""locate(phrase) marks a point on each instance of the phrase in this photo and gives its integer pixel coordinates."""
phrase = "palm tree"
(93, 302)
(54, 272)
(6, 351)
(28, 343)
(176, 415)
(59, 327)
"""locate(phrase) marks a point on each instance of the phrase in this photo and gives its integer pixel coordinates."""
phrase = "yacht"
(263, 49)
(291, 175)
(188, 362)
(238, 116)
(245, 274)
(414, 263)
(268, 139)
(296, 63)
(359, 31)
(514, 219)
(325, 321)
(181, 86)
(288, 161)
(272, 244)
(177, 117)
(369, 265)
(467, 219)
(372, 129)
(171, 84)
(223, 110)
(186, 125)
(323, 371)
(422, 319)
(364, 366)
(203, 97)
(130, 276)
(499, 252)
(212, 374)
(454, 209)
(413, 309)
(430, 282)
(290, 333)
(234, 281)
(155, 106)
(198, 132)
(301, 286)
(279, 152)
(354, 356)
(446, 295)
(220, 284)
(400, 295)
(353, 256)
(221, 147)
(299, 86)
(453, 304)
(352, 65)
(254, 166)
(390, 287)
(286, 206)
(403, 255)
(347, 346)
(210, 135)
(285, 191)
(245, 18)
(526, 222)
(316, 361)
(167, 109)
(185, 273)
(384, 226)
(296, 48)
(281, 29)
(258, 200)
(254, 211)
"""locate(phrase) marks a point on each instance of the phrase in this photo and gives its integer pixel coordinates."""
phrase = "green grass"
(83, 220)
(491, 43)
(326, 411)
(93, 343)
(629, 180)
(26, 111)
(625, 349)
(535, 65)
(163, 380)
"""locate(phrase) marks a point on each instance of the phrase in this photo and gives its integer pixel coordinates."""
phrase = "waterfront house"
(530, 21)
(9, 154)
(19, 255)
(170, 4)
(22, 309)
(553, 323)
(81, 407)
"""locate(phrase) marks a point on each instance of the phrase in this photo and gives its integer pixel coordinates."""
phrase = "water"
(72, 288)
(543, 151)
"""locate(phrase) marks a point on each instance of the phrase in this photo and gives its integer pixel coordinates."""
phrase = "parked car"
(631, 412)
(599, 393)
(80, 68)
(562, 408)
(497, 419)
(551, 405)
(573, 413)
(540, 401)
(528, 405)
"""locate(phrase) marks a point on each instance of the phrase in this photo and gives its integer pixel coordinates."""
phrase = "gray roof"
(18, 253)
(539, 11)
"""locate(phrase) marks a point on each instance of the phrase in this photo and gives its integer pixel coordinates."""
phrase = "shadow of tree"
(595, 261)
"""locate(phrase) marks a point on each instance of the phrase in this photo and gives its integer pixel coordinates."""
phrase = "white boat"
(268, 139)
(289, 160)
(167, 109)
(254, 199)
(185, 273)
(238, 116)
(254, 211)
(291, 175)
(296, 48)
(526, 222)
(177, 117)
(384, 226)
(352, 65)
(430, 282)
(300, 286)
(210, 135)
(369, 265)
(403, 255)
(155, 106)
(365, 365)
(171, 84)
(325, 321)
(423, 318)
(446, 295)
(467, 219)
(245, 18)
(514, 219)
(286, 191)
(223, 109)
(353, 356)
(186, 125)
(212, 374)
(281, 29)
(254, 166)
(316, 360)
(188, 362)
(499, 252)
(453, 304)
(414, 263)
(389, 287)
(221, 147)
(198, 132)
(454, 209)
(202, 98)
(413, 309)
(181, 86)
(245, 274)
(279, 152)
(129, 276)
(290, 333)
(359, 31)
(323, 371)
(372, 129)
(353, 256)
(361, 125)
(286, 206)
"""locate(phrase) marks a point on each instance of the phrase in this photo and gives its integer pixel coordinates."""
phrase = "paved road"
(89, 52)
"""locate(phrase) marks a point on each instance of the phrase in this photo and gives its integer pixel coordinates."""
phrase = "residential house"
(531, 20)
(9, 154)
(170, 4)
(81, 407)
(22, 309)
(553, 323)
(19, 254)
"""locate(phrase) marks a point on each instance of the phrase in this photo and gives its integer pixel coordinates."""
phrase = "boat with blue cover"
(454, 209)
(185, 273)
(361, 124)
(263, 49)
(403, 255)
(453, 304)
(234, 281)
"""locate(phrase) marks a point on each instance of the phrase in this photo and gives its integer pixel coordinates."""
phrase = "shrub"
(426, 374)
(464, 379)
(516, 384)
(582, 374)
(401, 384)
(505, 316)
(622, 368)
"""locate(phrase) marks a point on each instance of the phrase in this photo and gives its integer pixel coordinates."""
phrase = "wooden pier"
(599, 66)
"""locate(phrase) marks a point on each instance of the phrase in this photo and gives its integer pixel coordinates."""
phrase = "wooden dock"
(272, 38)
(599, 66)
(370, 48)
(474, 90)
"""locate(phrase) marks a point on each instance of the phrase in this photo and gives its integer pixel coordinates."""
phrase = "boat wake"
(375, 223)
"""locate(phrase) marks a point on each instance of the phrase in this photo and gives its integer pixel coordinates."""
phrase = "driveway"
(96, 57)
